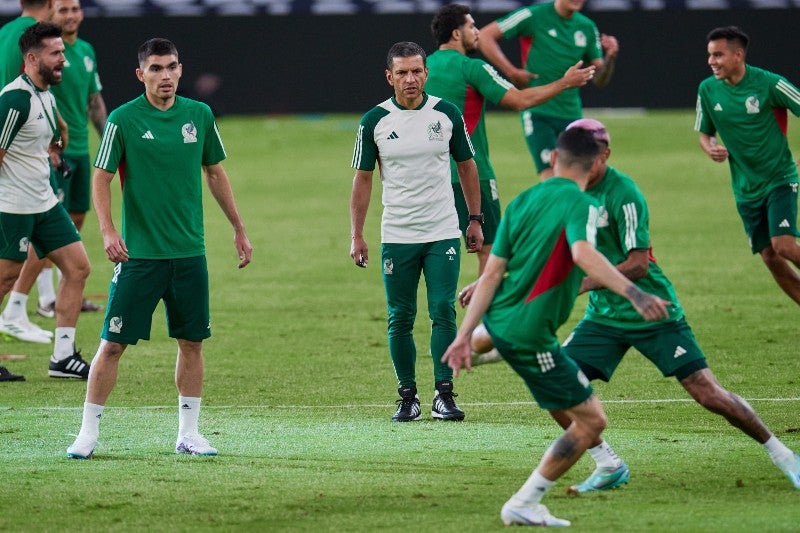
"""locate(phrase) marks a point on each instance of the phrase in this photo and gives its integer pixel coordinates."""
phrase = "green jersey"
(550, 44)
(751, 118)
(79, 80)
(535, 236)
(159, 155)
(10, 56)
(623, 226)
(467, 83)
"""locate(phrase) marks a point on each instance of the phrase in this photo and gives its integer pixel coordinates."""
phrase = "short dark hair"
(404, 49)
(732, 34)
(34, 36)
(156, 47)
(448, 19)
(33, 3)
(577, 146)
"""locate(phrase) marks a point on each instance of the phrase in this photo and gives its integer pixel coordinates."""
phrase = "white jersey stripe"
(631, 224)
(358, 148)
(104, 152)
(699, 114)
(788, 90)
(513, 20)
(219, 138)
(5, 135)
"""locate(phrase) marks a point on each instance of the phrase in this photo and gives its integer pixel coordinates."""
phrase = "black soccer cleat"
(408, 408)
(444, 404)
(72, 367)
(5, 375)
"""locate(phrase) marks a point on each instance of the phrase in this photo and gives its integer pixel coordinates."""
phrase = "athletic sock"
(65, 344)
(604, 456)
(90, 426)
(532, 490)
(44, 284)
(782, 456)
(16, 308)
(188, 415)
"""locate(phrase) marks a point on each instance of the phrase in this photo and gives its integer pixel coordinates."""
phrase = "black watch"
(479, 218)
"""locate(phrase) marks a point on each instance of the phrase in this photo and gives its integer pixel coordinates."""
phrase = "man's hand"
(610, 45)
(359, 252)
(521, 78)
(575, 76)
(458, 355)
(465, 295)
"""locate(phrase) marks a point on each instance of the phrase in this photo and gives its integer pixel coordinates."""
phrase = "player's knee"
(786, 247)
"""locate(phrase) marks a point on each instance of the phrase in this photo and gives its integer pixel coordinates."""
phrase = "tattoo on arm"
(637, 297)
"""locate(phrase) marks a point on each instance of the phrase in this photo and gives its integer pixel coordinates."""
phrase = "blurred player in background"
(468, 83)
(553, 37)
(164, 141)
(411, 136)
(747, 106)
(544, 244)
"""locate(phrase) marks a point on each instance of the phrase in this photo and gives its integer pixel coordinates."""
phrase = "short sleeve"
(15, 106)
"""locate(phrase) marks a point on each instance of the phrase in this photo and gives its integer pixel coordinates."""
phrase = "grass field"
(299, 386)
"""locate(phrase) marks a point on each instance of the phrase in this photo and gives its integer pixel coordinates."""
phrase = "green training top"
(550, 44)
(536, 235)
(79, 80)
(468, 83)
(159, 156)
(751, 118)
(10, 56)
(622, 226)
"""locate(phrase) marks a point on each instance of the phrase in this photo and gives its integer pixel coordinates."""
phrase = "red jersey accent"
(525, 44)
(473, 107)
(781, 117)
(555, 270)
(121, 170)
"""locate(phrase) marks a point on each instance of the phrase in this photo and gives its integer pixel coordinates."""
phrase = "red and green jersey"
(623, 226)
(550, 44)
(160, 155)
(535, 236)
(751, 118)
(468, 83)
(10, 56)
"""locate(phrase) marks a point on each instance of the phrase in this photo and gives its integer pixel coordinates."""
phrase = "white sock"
(604, 456)
(44, 283)
(65, 344)
(90, 427)
(188, 415)
(782, 456)
(532, 490)
(16, 308)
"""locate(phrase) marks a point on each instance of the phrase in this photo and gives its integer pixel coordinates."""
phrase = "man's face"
(160, 75)
(725, 61)
(408, 77)
(50, 60)
(68, 14)
(469, 34)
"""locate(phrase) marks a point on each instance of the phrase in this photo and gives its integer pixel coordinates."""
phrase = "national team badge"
(189, 133)
(388, 266)
(23, 244)
(435, 132)
(88, 63)
(580, 39)
(752, 105)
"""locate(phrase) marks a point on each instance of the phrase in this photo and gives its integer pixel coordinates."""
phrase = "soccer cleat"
(82, 448)
(408, 408)
(194, 445)
(794, 473)
(5, 375)
(535, 515)
(603, 479)
(72, 367)
(492, 356)
(444, 406)
(20, 331)
(89, 306)
(46, 311)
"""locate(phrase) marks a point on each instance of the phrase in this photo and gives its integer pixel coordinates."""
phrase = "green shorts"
(541, 132)
(76, 184)
(136, 288)
(598, 349)
(490, 207)
(771, 216)
(554, 379)
(47, 231)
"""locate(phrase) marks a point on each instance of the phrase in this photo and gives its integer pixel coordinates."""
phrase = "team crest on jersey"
(580, 39)
(115, 324)
(545, 156)
(752, 105)
(88, 63)
(435, 131)
(23, 244)
(388, 267)
(602, 217)
(189, 133)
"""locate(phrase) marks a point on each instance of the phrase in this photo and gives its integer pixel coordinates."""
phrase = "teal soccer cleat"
(794, 473)
(603, 479)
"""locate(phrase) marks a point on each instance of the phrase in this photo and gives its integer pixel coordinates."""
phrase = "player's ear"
(140, 74)
(389, 77)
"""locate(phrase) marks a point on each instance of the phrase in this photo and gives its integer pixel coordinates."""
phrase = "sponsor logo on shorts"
(679, 351)
(451, 253)
(545, 360)
(388, 266)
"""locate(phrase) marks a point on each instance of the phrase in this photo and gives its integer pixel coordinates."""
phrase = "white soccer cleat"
(535, 515)
(24, 333)
(194, 445)
(82, 448)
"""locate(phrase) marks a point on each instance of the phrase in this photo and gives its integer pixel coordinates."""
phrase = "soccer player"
(468, 83)
(553, 37)
(29, 210)
(11, 64)
(612, 326)
(412, 136)
(163, 140)
(747, 106)
(544, 244)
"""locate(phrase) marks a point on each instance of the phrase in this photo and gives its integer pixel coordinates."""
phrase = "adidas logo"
(679, 351)
(185, 406)
(552, 32)
(148, 135)
(40, 117)
(784, 224)
(717, 107)
(451, 253)
(393, 135)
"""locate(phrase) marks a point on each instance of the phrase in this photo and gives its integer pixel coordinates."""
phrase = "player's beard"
(48, 75)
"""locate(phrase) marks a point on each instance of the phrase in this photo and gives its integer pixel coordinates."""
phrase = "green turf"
(299, 385)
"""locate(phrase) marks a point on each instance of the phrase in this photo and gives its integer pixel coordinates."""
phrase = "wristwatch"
(479, 218)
